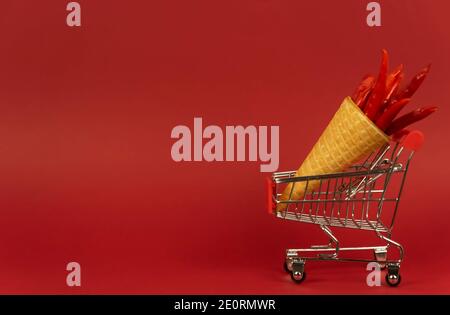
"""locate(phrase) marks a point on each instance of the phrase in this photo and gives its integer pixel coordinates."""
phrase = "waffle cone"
(349, 137)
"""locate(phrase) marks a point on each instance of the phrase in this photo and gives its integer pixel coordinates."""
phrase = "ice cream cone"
(349, 137)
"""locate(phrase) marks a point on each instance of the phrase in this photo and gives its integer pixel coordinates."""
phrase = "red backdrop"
(85, 119)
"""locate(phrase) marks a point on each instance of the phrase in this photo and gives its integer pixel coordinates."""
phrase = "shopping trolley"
(365, 197)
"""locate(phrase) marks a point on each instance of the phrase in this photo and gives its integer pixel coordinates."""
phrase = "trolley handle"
(270, 189)
(413, 140)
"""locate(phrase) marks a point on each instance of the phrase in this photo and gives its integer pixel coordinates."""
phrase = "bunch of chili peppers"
(382, 99)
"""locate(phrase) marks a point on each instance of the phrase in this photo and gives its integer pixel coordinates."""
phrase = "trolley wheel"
(393, 279)
(298, 276)
(288, 265)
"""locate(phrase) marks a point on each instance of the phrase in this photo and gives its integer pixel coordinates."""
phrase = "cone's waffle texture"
(349, 137)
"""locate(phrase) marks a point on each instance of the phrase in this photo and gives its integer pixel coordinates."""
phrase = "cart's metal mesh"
(364, 197)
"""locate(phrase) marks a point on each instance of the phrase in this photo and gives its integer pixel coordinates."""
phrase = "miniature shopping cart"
(365, 197)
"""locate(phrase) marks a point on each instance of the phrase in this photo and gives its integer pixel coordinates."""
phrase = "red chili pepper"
(363, 90)
(392, 84)
(391, 111)
(399, 135)
(379, 91)
(393, 81)
(410, 118)
(414, 84)
(365, 96)
(395, 72)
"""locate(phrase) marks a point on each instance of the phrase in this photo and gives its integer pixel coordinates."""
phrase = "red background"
(85, 121)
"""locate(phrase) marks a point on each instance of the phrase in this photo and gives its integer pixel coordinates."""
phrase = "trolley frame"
(360, 198)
